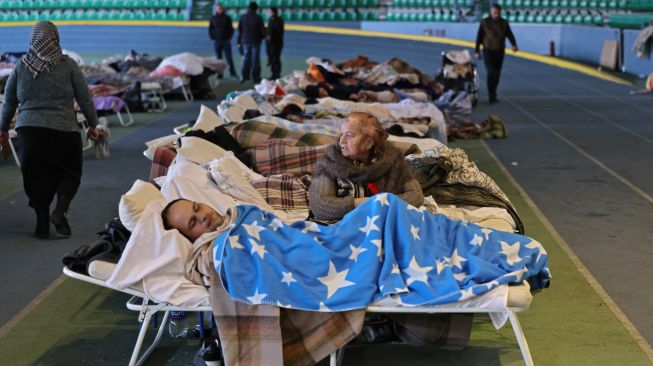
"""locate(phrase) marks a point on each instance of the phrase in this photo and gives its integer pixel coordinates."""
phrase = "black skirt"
(51, 163)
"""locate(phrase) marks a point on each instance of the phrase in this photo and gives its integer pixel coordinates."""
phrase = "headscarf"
(44, 49)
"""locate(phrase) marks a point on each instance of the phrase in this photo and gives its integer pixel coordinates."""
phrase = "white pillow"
(207, 120)
(134, 202)
(198, 150)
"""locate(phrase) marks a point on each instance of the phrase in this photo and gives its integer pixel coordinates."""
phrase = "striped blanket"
(278, 157)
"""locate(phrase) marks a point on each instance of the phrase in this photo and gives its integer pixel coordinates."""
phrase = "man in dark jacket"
(251, 32)
(274, 42)
(492, 34)
(221, 30)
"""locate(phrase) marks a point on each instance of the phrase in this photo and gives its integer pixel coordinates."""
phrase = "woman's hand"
(93, 134)
(4, 138)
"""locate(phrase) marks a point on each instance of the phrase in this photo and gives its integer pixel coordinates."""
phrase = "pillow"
(133, 203)
(198, 150)
(207, 120)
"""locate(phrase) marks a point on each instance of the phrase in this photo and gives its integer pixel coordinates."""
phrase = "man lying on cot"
(391, 246)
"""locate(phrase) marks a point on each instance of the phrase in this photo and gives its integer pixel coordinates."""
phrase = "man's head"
(495, 11)
(192, 219)
(273, 12)
(219, 9)
(253, 6)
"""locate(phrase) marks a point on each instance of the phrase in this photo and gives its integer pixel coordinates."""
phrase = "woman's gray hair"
(372, 131)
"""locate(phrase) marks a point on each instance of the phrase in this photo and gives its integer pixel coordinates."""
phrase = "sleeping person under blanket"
(383, 248)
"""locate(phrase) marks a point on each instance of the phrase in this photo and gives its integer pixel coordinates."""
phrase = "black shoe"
(209, 353)
(60, 221)
(256, 81)
(220, 76)
(235, 76)
(243, 81)
(494, 100)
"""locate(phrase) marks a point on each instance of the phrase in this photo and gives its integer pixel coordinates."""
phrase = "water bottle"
(178, 325)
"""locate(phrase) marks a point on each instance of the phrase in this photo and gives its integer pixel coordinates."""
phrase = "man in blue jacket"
(221, 30)
(251, 32)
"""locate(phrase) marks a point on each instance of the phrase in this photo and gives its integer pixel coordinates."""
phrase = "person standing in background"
(274, 42)
(492, 34)
(44, 86)
(221, 30)
(251, 32)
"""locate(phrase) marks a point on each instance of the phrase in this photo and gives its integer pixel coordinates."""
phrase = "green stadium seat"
(603, 4)
(539, 18)
(555, 4)
(545, 3)
(451, 3)
(512, 17)
(568, 19)
(612, 4)
(521, 18)
(583, 4)
(530, 18)
(597, 19)
(573, 4)
(421, 17)
(588, 19)
(622, 4)
(517, 3)
(508, 3)
(526, 4)
(564, 3)
(578, 19)
(593, 4)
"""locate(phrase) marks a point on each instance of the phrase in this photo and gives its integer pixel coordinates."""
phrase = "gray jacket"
(47, 101)
(390, 172)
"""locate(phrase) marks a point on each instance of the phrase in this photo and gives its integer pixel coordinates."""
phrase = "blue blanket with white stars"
(385, 246)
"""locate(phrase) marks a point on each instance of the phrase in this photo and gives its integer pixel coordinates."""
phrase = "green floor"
(568, 324)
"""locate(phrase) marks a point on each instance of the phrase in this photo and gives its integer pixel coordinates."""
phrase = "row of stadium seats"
(92, 14)
(424, 16)
(565, 4)
(432, 3)
(90, 4)
(318, 15)
(303, 3)
(555, 17)
(640, 5)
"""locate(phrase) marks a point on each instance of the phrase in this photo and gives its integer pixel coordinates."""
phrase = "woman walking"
(43, 87)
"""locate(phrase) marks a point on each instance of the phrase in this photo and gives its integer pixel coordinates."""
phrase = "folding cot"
(100, 271)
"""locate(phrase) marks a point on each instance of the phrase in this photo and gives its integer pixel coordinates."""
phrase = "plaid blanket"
(285, 192)
(324, 129)
(163, 157)
(252, 133)
(267, 335)
(278, 157)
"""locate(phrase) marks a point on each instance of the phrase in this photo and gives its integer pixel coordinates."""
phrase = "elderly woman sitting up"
(361, 165)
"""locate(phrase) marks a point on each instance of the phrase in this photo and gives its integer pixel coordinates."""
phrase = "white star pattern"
(464, 221)
(287, 278)
(383, 198)
(310, 226)
(460, 276)
(318, 240)
(254, 229)
(395, 269)
(511, 252)
(467, 294)
(415, 231)
(370, 225)
(487, 233)
(234, 242)
(478, 240)
(420, 209)
(441, 264)
(257, 248)
(379, 247)
(536, 245)
(456, 260)
(416, 273)
(401, 290)
(355, 252)
(257, 298)
(324, 307)
(276, 224)
(335, 280)
(492, 284)
(279, 304)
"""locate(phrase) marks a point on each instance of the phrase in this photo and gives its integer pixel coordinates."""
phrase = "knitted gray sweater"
(390, 172)
(47, 101)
